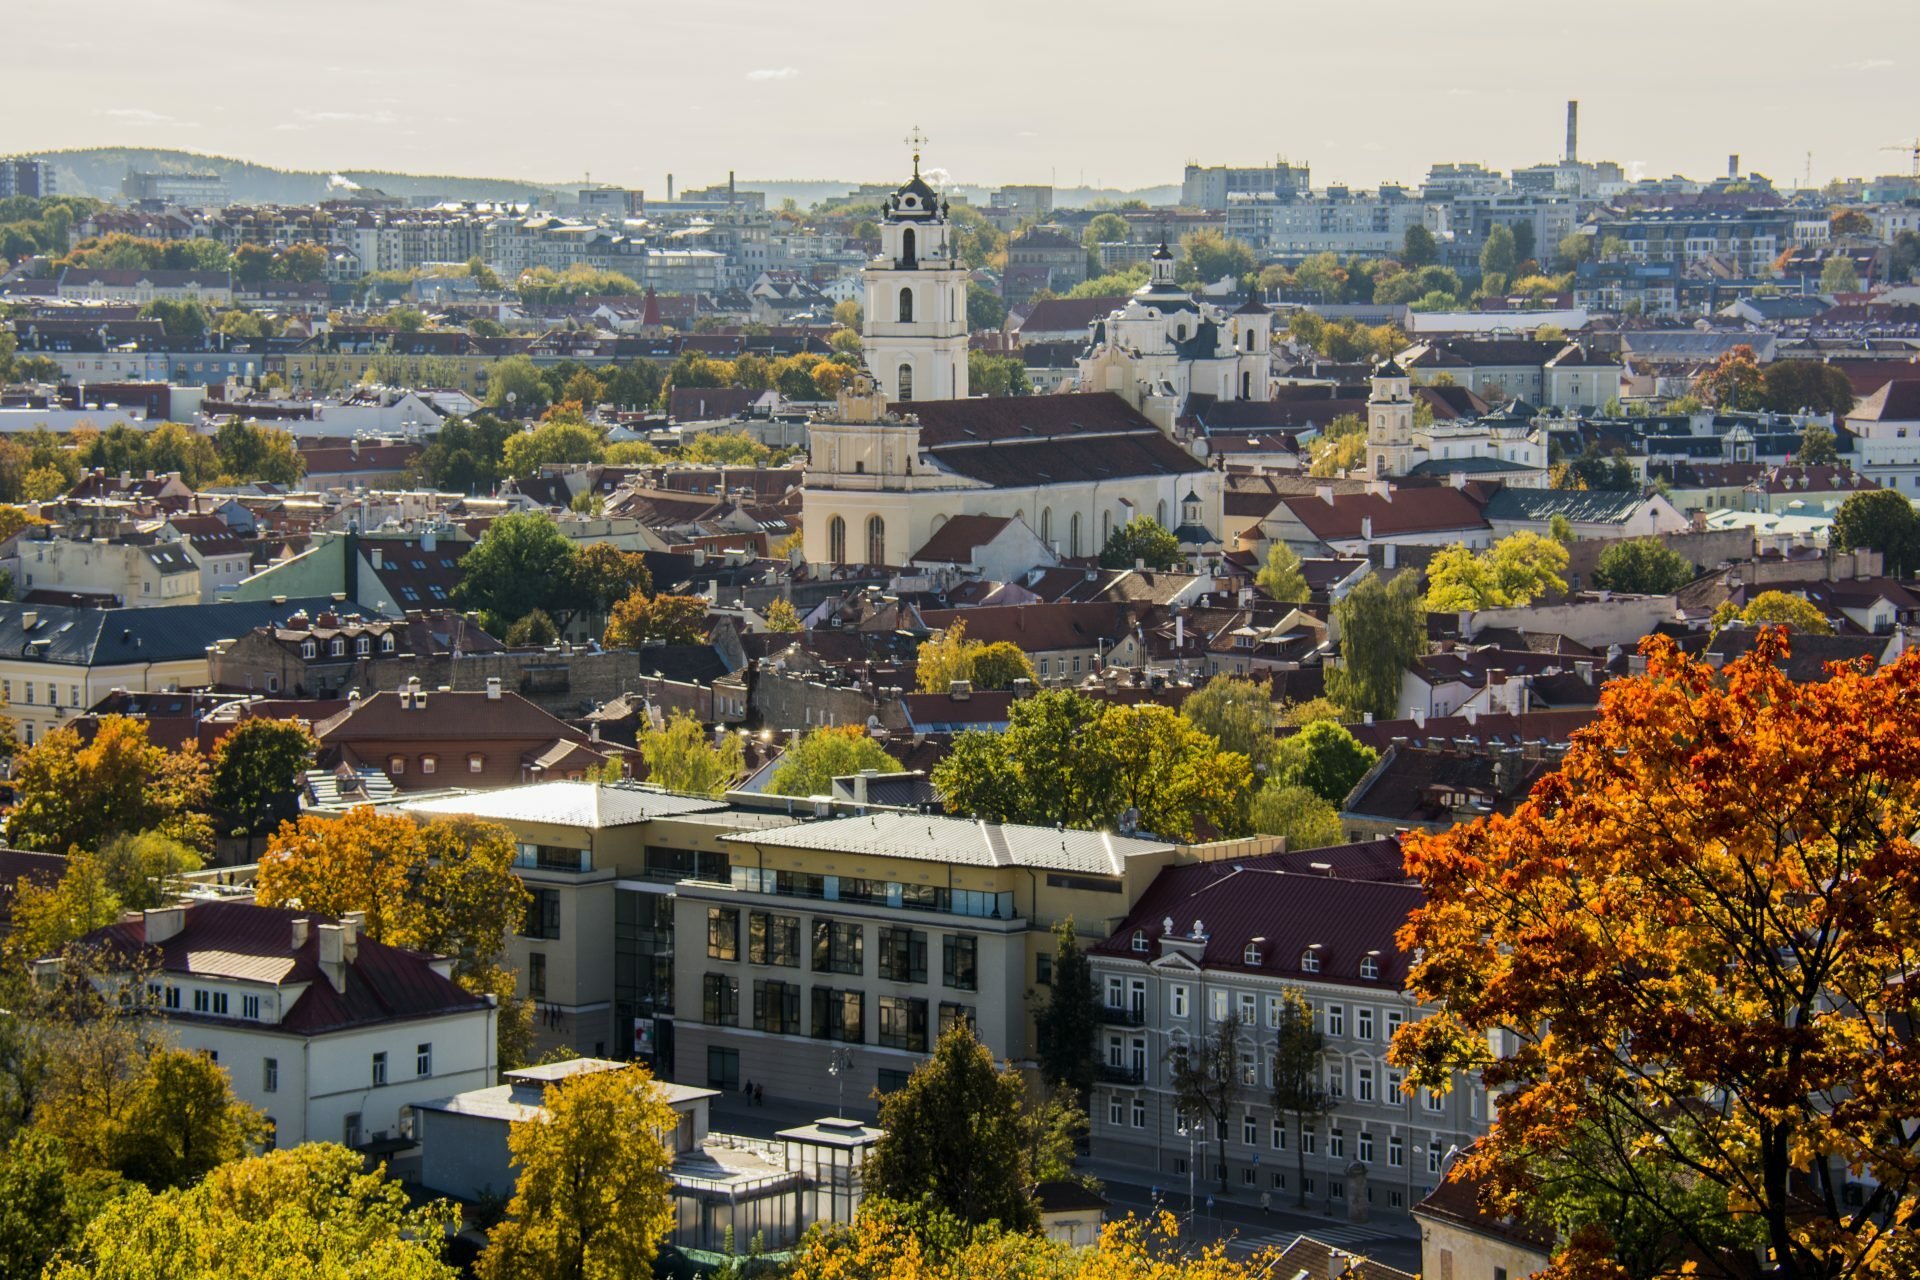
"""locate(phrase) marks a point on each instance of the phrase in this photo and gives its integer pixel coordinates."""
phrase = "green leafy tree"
(604, 575)
(1207, 256)
(179, 319)
(1513, 572)
(1067, 1025)
(44, 1203)
(534, 631)
(47, 918)
(1643, 566)
(256, 771)
(1281, 576)
(1499, 255)
(1881, 520)
(683, 757)
(554, 442)
(522, 563)
(1141, 539)
(517, 377)
(1839, 275)
(141, 869)
(728, 449)
(248, 451)
(1817, 448)
(308, 1210)
(1106, 228)
(1237, 713)
(985, 308)
(836, 751)
(950, 656)
(466, 454)
(1811, 386)
(1573, 250)
(1325, 758)
(957, 1138)
(1299, 1078)
(1307, 821)
(1418, 248)
(71, 794)
(592, 1198)
(991, 375)
(1382, 630)
(1777, 609)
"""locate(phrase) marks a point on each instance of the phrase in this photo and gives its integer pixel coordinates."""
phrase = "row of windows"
(836, 1014)
(877, 893)
(397, 765)
(337, 647)
(53, 693)
(841, 947)
(205, 1000)
(1330, 1019)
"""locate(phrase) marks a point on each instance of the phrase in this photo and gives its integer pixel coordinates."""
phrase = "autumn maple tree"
(1684, 964)
(79, 794)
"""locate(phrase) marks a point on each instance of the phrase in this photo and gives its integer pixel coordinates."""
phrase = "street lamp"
(839, 1066)
(1195, 1135)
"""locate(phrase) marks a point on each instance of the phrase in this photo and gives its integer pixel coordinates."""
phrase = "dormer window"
(1369, 968)
(308, 649)
(362, 647)
(338, 648)
(1310, 960)
(1139, 939)
(386, 643)
(1252, 954)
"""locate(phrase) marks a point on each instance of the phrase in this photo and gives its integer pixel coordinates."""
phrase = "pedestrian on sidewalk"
(746, 1091)
(1266, 1202)
(760, 1095)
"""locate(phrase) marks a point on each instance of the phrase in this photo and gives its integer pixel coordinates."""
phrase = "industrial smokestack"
(729, 186)
(1733, 165)
(1573, 131)
(669, 188)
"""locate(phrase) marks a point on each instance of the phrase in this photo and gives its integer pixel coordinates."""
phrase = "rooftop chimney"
(164, 923)
(333, 955)
(493, 688)
(301, 928)
(1573, 131)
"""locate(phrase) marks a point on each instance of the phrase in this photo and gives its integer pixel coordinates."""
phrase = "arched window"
(906, 305)
(906, 255)
(905, 378)
(1180, 332)
(1160, 513)
(1106, 527)
(386, 643)
(1246, 386)
(876, 540)
(1046, 525)
(1073, 535)
(836, 541)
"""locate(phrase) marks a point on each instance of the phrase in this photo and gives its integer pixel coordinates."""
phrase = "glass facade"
(643, 976)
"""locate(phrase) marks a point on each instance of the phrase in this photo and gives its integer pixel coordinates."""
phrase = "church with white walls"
(1165, 345)
(908, 450)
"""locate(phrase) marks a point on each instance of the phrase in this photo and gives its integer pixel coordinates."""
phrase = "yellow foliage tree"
(592, 1201)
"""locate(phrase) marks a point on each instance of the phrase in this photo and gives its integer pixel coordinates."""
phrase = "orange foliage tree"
(661, 619)
(447, 887)
(80, 795)
(1683, 964)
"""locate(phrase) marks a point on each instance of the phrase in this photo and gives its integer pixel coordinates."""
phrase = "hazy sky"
(1113, 92)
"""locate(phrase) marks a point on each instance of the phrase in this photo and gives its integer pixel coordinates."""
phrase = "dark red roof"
(1409, 510)
(1270, 902)
(954, 541)
(383, 984)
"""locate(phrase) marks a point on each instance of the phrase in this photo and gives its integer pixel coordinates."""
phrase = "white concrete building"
(334, 1036)
(915, 324)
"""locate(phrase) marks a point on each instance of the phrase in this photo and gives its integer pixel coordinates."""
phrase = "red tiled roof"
(954, 542)
(1406, 511)
(1038, 628)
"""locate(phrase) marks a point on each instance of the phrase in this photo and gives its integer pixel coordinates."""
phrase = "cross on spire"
(916, 140)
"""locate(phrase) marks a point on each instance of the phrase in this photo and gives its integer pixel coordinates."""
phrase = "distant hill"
(97, 171)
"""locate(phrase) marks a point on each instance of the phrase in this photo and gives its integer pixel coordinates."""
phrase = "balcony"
(1111, 1074)
(1117, 1016)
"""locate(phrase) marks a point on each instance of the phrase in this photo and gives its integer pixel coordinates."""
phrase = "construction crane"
(1912, 149)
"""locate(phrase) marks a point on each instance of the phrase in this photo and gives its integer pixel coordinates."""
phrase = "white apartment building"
(335, 1037)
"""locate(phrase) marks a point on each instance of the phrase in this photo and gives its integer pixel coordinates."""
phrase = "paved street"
(1244, 1226)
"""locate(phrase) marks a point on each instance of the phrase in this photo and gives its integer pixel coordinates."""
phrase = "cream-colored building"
(55, 662)
(138, 572)
(914, 329)
(882, 479)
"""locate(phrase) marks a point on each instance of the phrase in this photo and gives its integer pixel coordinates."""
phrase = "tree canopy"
(522, 563)
(1382, 630)
(1733, 381)
(73, 794)
(256, 770)
(1881, 520)
(1644, 566)
(592, 1198)
(1237, 713)
(1281, 577)
(656, 619)
(1067, 759)
(1512, 572)
(813, 761)
(950, 656)
(1140, 539)
(1323, 757)
(1777, 608)
(682, 756)
(1706, 902)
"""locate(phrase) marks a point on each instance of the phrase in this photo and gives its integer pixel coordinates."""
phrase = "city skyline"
(1054, 98)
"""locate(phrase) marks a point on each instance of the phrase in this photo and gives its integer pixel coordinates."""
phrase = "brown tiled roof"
(1039, 628)
(1895, 402)
(1411, 782)
(449, 717)
(240, 940)
(1268, 901)
(954, 541)
(1407, 511)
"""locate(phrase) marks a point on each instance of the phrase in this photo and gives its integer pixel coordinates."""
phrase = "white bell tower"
(1390, 423)
(915, 329)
